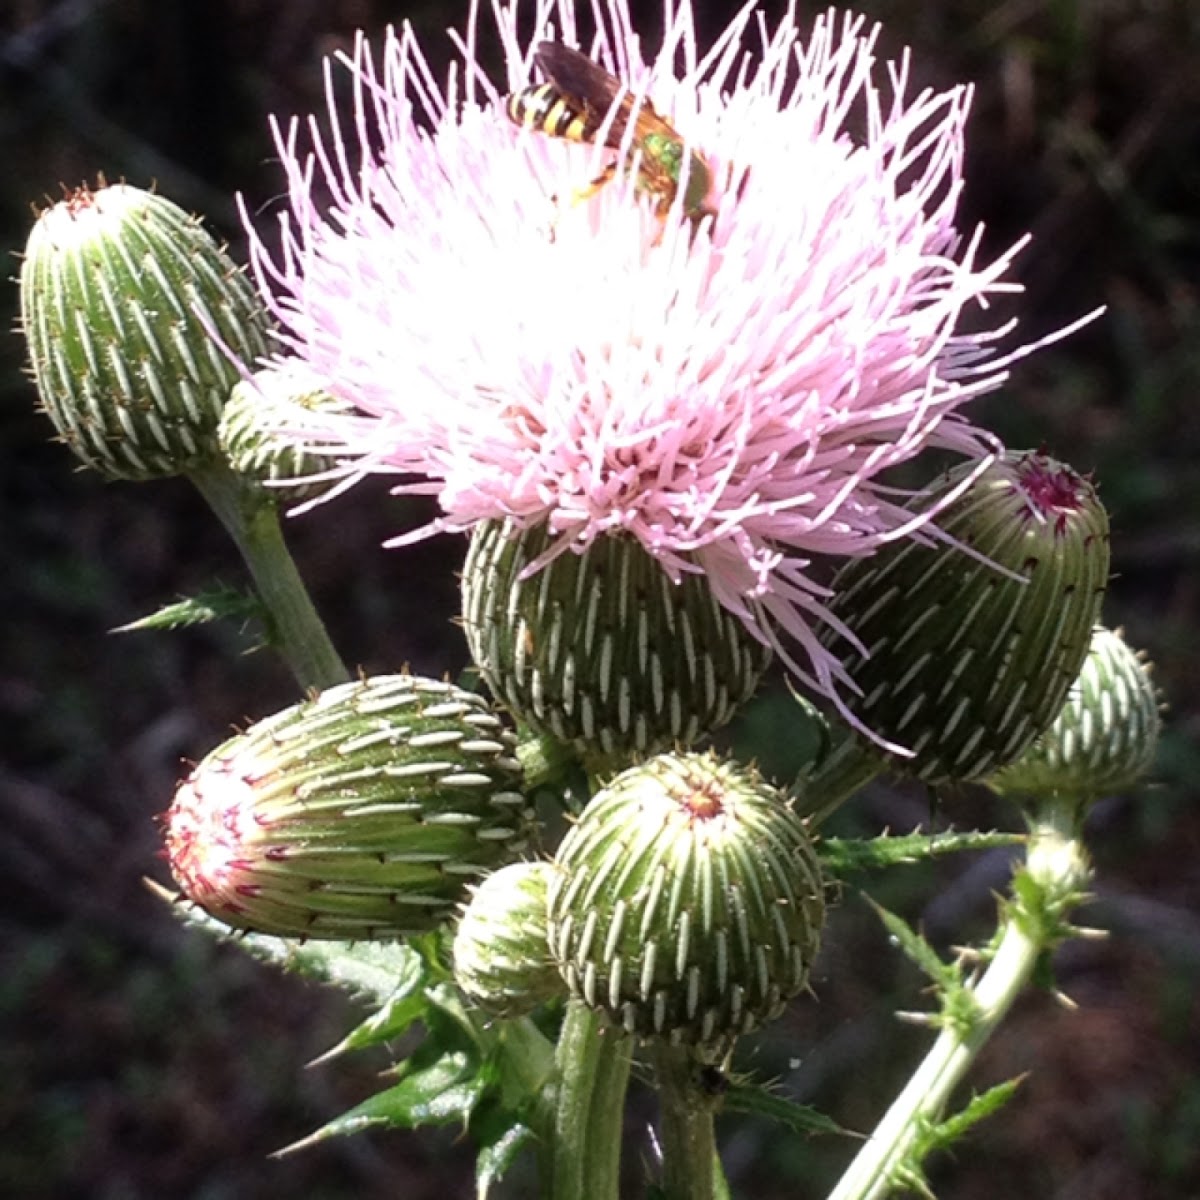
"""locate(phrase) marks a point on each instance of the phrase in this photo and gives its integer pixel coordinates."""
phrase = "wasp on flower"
(582, 102)
(724, 397)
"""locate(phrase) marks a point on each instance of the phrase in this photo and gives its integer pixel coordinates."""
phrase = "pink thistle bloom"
(727, 391)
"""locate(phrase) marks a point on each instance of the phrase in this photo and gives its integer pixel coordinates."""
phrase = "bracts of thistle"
(601, 650)
(361, 813)
(687, 903)
(501, 955)
(122, 293)
(1105, 735)
(250, 440)
(964, 649)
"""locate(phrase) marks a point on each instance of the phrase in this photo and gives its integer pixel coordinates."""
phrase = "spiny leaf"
(758, 1100)
(945, 975)
(846, 856)
(445, 1091)
(407, 1004)
(219, 604)
(950, 1129)
(367, 970)
(931, 1136)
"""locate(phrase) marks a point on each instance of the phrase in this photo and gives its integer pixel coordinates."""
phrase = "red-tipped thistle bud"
(601, 649)
(501, 957)
(119, 290)
(252, 441)
(361, 813)
(1103, 738)
(973, 643)
(688, 902)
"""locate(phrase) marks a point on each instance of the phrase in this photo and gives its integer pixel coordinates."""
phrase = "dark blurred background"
(138, 1060)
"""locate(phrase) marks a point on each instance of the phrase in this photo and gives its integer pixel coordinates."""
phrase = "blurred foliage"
(140, 1061)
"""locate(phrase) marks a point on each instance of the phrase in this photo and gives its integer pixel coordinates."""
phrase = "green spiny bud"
(360, 813)
(250, 436)
(1103, 738)
(601, 649)
(688, 902)
(501, 958)
(119, 289)
(973, 642)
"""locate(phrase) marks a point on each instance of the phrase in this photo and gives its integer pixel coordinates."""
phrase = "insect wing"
(590, 88)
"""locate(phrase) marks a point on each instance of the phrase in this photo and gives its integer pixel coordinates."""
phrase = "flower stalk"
(689, 1150)
(253, 523)
(1056, 873)
(593, 1073)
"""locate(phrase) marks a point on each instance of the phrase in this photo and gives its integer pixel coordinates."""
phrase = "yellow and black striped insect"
(575, 103)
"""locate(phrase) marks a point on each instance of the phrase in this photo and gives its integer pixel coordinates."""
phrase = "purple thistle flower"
(726, 391)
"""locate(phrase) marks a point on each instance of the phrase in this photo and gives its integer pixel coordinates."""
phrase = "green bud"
(249, 432)
(117, 288)
(360, 813)
(969, 661)
(688, 902)
(501, 958)
(601, 650)
(1104, 737)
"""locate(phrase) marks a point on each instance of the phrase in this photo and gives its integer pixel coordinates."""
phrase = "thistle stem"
(848, 766)
(593, 1072)
(254, 526)
(688, 1145)
(1058, 869)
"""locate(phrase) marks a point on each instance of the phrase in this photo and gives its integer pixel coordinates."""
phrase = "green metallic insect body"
(575, 103)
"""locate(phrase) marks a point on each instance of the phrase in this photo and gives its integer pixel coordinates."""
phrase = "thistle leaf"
(445, 1091)
(945, 975)
(407, 1004)
(843, 857)
(219, 604)
(366, 970)
(758, 1100)
(952, 1129)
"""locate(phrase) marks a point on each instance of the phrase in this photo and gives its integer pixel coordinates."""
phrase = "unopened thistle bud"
(688, 902)
(251, 438)
(601, 649)
(361, 813)
(119, 291)
(1104, 737)
(972, 644)
(501, 957)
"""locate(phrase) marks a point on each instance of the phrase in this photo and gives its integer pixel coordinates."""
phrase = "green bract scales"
(972, 642)
(121, 294)
(363, 812)
(501, 958)
(602, 649)
(688, 902)
(1103, 738)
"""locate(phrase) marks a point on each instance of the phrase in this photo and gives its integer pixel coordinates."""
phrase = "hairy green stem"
(1058, 869)
(593, 1072)
(253, 523)
(688, 1145)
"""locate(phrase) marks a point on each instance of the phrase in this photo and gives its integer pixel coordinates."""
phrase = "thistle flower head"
(358, 813)
(973, 644)
(120, 292)
(687, 903)
(1105, 735)
(724, 382)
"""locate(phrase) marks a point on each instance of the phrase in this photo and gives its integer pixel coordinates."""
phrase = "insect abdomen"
(545, 109)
